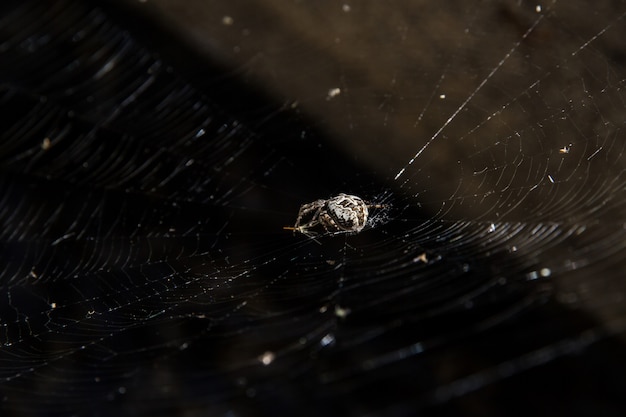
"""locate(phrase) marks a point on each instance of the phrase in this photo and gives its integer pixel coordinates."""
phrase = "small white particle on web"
(333, 92)
(106, 68)
(545, 272)
(341, 312)
(345, 8)
(327, 340)
(492, 228)
(550, 178)
(267, 358)
(200, 132)
(421, 258)
(53, 305)
(564, 150)
(442, 96)
(532, 275)
(227, 20)
(538, 8)
(45, 145)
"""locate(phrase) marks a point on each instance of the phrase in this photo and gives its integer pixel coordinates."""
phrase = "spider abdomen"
(347, 212)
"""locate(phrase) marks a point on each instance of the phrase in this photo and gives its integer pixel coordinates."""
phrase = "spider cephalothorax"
(343, 213)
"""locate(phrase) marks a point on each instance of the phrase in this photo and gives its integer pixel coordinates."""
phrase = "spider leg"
(377, 206)
(305, 211)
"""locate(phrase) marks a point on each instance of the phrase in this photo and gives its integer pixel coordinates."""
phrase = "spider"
(343, 213)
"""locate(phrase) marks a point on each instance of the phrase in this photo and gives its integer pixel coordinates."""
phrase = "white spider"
(343, 213)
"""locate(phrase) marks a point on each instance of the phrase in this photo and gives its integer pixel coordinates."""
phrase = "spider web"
(144, 193)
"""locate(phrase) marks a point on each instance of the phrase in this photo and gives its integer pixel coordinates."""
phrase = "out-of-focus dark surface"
(152, 151)
(389, 58)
